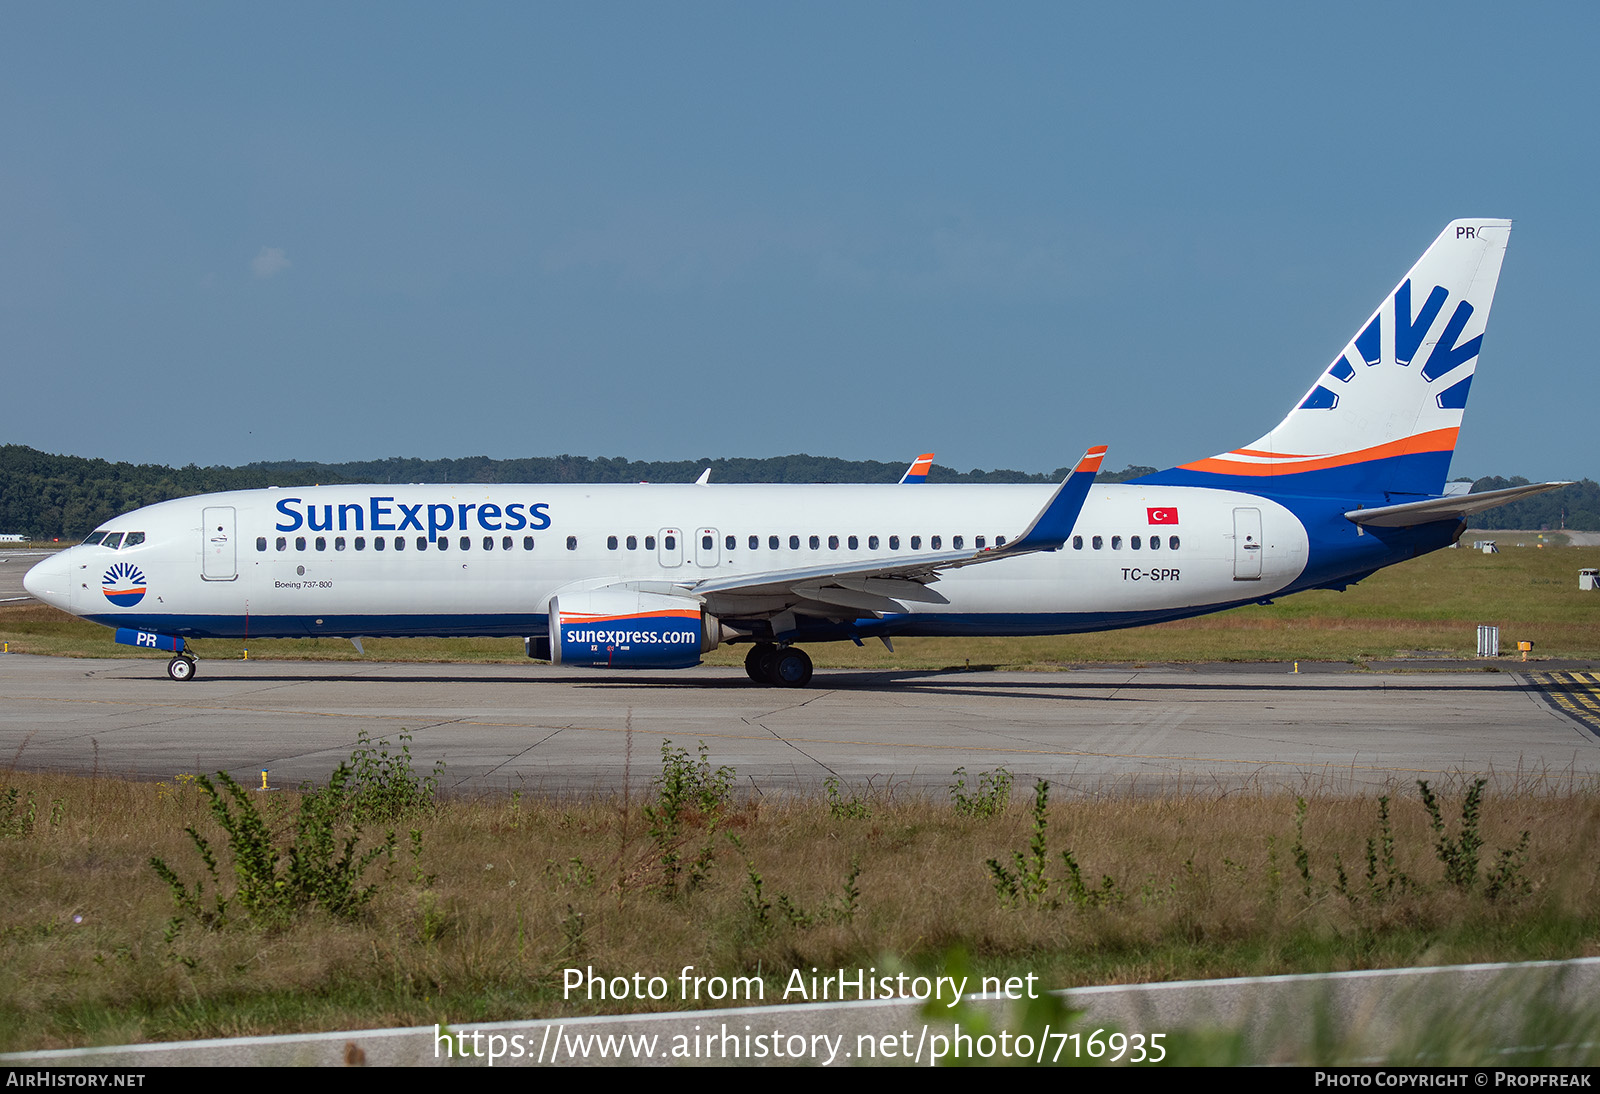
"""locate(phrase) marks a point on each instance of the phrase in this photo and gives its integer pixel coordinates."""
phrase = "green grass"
(1433, 604)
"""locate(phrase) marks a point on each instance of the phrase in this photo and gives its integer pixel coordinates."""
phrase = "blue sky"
(1001, 232)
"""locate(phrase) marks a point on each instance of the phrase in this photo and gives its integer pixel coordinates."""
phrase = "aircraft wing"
(875, 585)
(1454, 507)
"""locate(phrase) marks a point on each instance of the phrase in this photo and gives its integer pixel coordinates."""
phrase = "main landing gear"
(181, 667)
(780, 666)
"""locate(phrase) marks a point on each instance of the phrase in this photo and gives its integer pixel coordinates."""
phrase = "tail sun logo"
(1409, 335)
(123, 584)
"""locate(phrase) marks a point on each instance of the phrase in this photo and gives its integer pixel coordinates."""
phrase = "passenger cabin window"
(361, 543)
(833, 543)
(1172, 542)
(466, 543)
(958, 542)
(978, 542)
(378, 543)
(815, 543)
(916, 543)
(299, 543)
(894, 543)
(527, 543)
(322, 543)
(611, 543)
(794, 543)
(999, 541)
(633, 543)
(1155, 543)
(338, 543)
(935, 542)
(707, 542)
(488, 543)
(1116, 543)
(505, 543)
(261, 543)
(442, 543)
(755, 543)
(669, 542)
(730, 542)
(855, 543)
(399, 543)
(772, 543)
(1097, 543)
(1077, 543)
(1133, 542)
(422, 543)
(872, 543)
(649, 543)
(282, 544)
(572, 543)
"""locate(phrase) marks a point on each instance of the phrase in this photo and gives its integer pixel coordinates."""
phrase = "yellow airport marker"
(1524, 647)
(1297, 666)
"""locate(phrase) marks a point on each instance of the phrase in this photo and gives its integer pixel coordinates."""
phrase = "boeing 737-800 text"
(653, 576)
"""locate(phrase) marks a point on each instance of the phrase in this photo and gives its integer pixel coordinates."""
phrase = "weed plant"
(690, 799)
(989, 799)
(842, 808)
(382, 787)
(318, 870)
(19, 815)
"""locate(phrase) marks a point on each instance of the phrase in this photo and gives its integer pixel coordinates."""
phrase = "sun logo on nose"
(123, 585)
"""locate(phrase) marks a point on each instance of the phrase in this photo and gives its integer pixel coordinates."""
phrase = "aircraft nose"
(49, 581)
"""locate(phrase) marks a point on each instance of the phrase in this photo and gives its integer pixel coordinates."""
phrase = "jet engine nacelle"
(628, 629)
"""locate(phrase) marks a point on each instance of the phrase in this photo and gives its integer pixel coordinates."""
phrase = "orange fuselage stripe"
(1438, 440)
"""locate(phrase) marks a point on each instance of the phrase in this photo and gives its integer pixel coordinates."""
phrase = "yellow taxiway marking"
(1577, 693)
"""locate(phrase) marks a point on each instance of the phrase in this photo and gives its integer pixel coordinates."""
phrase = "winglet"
(1053, 525)
(918, 471)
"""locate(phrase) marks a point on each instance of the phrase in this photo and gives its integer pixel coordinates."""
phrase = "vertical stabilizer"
(1383, 417)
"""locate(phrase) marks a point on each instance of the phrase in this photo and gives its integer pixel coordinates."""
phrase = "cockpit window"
(134, 539)
(113, 540)
(94, 537)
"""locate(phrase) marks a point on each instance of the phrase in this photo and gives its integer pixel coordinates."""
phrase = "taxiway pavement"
(549, 730)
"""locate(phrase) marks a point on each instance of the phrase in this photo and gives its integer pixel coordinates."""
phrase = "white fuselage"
(307, 561)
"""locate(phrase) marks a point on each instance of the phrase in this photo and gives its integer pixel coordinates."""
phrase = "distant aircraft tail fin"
(1383, 418)
(918, 471)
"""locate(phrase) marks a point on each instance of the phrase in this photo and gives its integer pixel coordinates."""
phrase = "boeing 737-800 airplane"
(653, 576)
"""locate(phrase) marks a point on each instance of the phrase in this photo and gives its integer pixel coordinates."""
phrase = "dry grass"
(508, 892)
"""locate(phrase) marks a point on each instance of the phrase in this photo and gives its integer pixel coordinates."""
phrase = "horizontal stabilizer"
(1448, 508)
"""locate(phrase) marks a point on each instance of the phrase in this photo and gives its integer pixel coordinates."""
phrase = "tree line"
(45, 496)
